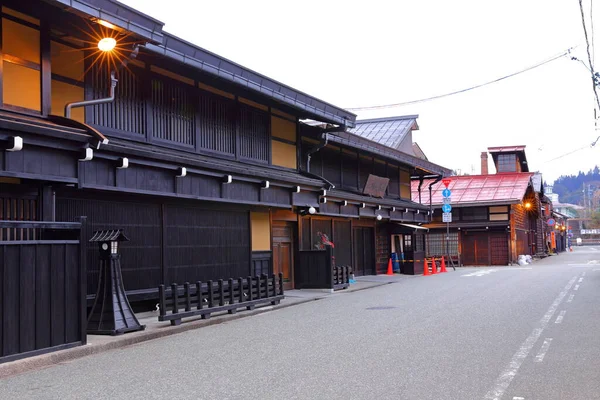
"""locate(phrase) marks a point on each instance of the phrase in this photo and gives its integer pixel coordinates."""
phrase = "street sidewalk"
(155, 329)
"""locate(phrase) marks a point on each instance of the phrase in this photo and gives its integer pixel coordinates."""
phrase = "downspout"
(439, 178)
(75, 104)
(419, 189)
(324, 141)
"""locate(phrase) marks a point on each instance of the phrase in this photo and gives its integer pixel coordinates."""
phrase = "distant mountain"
(570, 187)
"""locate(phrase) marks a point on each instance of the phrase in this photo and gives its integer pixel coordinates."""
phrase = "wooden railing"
(205, 298)
(42, 290)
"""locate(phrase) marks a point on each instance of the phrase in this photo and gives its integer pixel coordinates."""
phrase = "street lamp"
(107, 44)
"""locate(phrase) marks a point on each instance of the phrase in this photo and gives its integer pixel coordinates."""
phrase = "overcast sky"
(365, 53)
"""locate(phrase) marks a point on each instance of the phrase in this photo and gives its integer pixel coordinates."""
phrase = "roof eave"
(114, 12)
(213, 64)
(358, 142)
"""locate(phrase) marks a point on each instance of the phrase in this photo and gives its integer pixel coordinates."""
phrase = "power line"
(592, 24)
(587, 46)
(462, 90)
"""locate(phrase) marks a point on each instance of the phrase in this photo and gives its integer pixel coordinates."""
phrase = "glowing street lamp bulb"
(107, 44)
(528, 205)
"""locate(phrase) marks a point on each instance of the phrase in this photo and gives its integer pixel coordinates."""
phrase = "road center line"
(543, 350)
(560, 317)
(580, 280)
(576, 287)
(583, 273)
(509, 373)
(570, 299)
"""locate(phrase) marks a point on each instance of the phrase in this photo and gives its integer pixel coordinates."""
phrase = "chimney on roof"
(484, 163)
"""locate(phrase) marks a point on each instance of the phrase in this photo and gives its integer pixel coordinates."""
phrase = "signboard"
(446, 181)
(446, 208)
(376, 186)
(446, 193)
(447, 217)
(551, 222)
(446, 200)
(590, 231)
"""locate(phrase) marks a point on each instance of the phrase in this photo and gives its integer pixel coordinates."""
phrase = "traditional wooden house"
(495, 217)
(204, 163)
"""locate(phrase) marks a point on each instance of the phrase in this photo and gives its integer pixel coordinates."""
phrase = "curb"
(50, 359)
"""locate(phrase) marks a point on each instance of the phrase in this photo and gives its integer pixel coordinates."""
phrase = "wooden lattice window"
(173, 112)
(254, 135)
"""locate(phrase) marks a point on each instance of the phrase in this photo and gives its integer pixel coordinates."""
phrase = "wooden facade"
(202, 162)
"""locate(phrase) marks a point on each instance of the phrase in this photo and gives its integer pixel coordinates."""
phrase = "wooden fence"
(205, 298)
(42, 288)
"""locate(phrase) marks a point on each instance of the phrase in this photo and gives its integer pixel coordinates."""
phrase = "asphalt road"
(475, 333)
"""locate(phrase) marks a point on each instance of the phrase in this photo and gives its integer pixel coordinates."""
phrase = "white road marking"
(570, 299)
(543, 350)
(560, 317)
(580, 280)
(593, 248)
(576, 287)
(481, 273)
(596, 269)
(583, 273)
(518, 398)
(506, 376)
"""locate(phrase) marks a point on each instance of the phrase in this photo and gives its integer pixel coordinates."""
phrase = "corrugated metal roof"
(386, 131)
(474, 189)
(536, 180)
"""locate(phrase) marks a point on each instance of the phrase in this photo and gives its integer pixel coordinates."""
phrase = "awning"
(414, 226)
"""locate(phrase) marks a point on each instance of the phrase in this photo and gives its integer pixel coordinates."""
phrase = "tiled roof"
(386, 131)
(477, 189)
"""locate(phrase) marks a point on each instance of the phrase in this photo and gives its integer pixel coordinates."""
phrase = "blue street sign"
(446, 208)
(446, 192)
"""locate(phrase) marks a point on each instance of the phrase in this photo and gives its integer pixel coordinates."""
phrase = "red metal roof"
(473, 189)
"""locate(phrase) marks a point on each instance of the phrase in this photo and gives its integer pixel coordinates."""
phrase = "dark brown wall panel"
(206, 244)
(144, 178)
(42, 161)
(99, 172)
(141, 222)
(217, 124)
(241, 191)
(200, 185)
(276, 195)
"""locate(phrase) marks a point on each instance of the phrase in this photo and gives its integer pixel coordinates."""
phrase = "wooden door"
(283, 251)
(363, 251)
(499, 248)
(475, 248)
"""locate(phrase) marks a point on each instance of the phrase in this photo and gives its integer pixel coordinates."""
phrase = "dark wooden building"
(495, 217)
(202, 162)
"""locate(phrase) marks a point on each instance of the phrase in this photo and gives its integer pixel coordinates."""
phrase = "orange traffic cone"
(389, 269)
(425, 267)
(433, 266)
(443, 269)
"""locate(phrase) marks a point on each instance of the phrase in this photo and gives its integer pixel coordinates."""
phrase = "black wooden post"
(221, 293)
(281, 283)
(174, 305)
(199, 294)
(241, 290)
(188, 299)
(111, 312)
(250, 287)
(162, 301)
(274, 282)
(82, 281)
(211, 298)
(231, 296)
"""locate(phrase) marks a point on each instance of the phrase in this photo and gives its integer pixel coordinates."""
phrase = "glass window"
(507, 163)
(21, 66)
(474, 213)
(67, 79)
